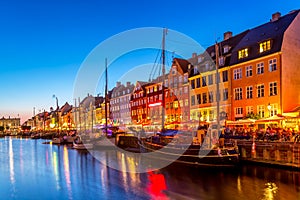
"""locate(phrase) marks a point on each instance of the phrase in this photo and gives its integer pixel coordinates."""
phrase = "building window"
(243, 53)
(193, 100)
(261, 110)
(225, 76)
(249, 110)
(226, 49)
(210, 79)
(186, 101)
(193, 84)
(211, 97)
(249, 92)
(203, 81)
(198, 82)
(248, 71)
(273, 65)
(274, 109)
(204, 98)
(237, 74)
(238, 111)
(238, 93)
(185, 90)
(260, 68)
(198, 98)
(185, 78)
(175, 104)
(264, 46)
(273, 88)
(180, 103)
(225, 94)
(260, 90)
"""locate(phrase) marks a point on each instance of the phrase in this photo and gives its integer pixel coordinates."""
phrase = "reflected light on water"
(156, 185)
(55, 169)
(239, 185)
(270, 191)
(11, 162)
(67, 171)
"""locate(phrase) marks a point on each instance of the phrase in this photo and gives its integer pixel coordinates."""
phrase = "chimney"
(118, 83)
(227, 35)
(194, 55)
(275, 16)
(128, 84)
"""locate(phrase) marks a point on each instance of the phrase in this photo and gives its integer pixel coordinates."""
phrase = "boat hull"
(193, 155)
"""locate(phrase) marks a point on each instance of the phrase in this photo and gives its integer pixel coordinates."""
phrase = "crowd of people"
(268, 134)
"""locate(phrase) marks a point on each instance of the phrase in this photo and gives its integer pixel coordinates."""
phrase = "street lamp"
(269, 108)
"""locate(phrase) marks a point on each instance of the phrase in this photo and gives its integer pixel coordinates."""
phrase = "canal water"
(30, 169)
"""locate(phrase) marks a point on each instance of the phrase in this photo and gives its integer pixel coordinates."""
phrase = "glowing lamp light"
(155, 104)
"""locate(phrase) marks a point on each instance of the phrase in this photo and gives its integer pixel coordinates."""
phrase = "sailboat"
(179, 147)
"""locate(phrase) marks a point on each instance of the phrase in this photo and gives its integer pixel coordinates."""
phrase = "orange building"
(264, 69)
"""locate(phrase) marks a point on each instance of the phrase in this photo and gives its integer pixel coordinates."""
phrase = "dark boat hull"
(192, 155)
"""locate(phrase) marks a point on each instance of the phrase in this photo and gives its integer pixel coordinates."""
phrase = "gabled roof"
(209, 56)
(183, 64)
(273, 30)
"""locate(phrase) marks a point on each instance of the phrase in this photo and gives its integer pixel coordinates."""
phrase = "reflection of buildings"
(9, 125)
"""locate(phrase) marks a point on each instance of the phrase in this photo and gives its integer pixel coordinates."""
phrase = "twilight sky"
(44, 43)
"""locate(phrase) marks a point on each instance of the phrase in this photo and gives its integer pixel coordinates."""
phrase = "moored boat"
(80, 145)
(169, 148)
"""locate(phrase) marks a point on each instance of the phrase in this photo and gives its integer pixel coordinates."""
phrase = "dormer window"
(200, 58)
(243, 53)
(226, 49)
(264, 46)
(212, 54)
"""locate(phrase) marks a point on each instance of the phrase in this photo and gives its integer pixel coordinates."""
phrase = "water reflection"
(32, 170)
(11, 162)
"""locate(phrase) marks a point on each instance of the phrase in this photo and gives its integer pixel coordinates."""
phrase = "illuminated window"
(260, 68)
(243, 53)
(264, 46)
(249, 92)
(186, 102)
(175, 104)
(260, 90)
(274, 109)
(273, 88)
(273, 65)
(261, 110)
(249, 109)
(238, 93)
(237, 74)
(248, 71)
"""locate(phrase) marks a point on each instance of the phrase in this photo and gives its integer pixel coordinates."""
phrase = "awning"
(272, 118)
(241, 122)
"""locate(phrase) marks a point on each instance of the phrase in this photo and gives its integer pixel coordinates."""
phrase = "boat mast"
(163, 79)
(218, 87)
(105, 96)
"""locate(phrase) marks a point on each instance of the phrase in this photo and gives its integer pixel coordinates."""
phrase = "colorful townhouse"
(264, 69)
